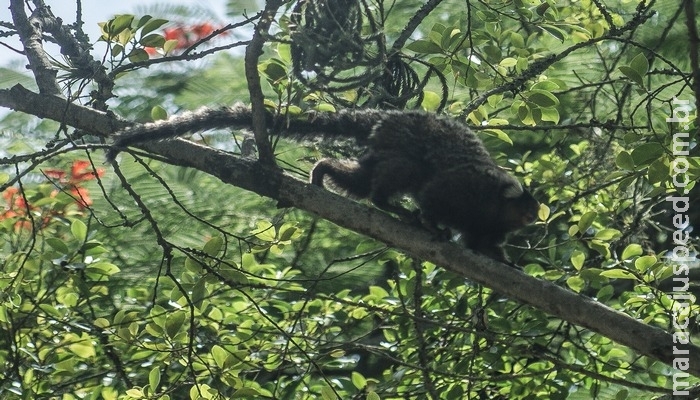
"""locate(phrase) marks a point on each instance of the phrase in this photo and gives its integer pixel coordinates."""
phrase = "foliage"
(153, 281)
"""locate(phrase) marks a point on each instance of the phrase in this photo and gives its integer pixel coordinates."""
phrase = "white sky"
(95, 11)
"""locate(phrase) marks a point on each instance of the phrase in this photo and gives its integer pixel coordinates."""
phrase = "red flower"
(79, 172)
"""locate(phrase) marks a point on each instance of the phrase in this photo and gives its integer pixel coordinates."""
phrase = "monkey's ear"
(513, 190)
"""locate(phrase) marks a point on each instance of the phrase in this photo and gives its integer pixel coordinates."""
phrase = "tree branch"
(30, 30)
(269, 181)
(252, 54)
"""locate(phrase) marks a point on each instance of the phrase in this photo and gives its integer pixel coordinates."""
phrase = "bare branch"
(252, 55)
(30, 30)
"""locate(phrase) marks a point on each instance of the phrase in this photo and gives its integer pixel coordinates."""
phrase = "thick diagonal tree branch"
(271, 182)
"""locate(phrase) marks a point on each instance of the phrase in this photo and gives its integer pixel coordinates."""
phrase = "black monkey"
(434, 159)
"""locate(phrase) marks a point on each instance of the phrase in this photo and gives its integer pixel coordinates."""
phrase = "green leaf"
(499, 134)
(577, 259)
(424, 47)
(102, 268)
(220, 355)
(508, 62)
(647, 153)
(618, 274)
(607, 234)
(138, 55)
(152, 25)
(632, 74)
(174, 322)
(645, 263)
(557, 33)
(431, 100)
(170, 45)
(118, 24)
(550, 115)
(79, 230)
(213, 246)
(624, 160)
(143, 20)
(83, 348)
(358, 380)
(273, 71)
(233, 275)
(246, 392)
(658, 171)
(586, 220)
(327, 393)
(265, 231)
(640, 64)
(576, 283)
(158, 113)
(631, 250)
(542, 98)
(154, 378)
(152, 40)
(57, 244)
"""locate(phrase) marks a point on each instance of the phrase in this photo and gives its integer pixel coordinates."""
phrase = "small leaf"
(158, 113)
(358, 380)
(373, 396)
(265, 231)
(640, 64)
(138, 55)
(632, 74)
(170, 45)
(499, 134)
(508, 62)
(618, 274)
(57, 244)
(550, 115)
(542, 98)
(586, 220)
(174, 322)
(577, 259)
(79, 230)
(154, 378)
(117, 24)
(554, 31)
(607, 234)
(631, 250)
(246, 392)
(645, 263)
(213, 246)
(576, 283)
(143, 20)
(424, 47)
(152, 40)
(152, 25)
(220, 355)
(328, 393)
(102, 268)
(646, 153)
(83, 348)
(624, 160)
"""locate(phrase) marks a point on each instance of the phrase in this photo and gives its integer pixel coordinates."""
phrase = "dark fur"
(436, 160)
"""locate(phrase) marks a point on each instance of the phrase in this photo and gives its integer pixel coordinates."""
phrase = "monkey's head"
(519, 208)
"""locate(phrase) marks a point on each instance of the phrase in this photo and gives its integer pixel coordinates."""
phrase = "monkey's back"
(438, 143)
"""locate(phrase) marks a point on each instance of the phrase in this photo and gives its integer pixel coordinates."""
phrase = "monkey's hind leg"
(348, 176)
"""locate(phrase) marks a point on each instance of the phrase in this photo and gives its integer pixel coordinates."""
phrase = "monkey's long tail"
(349, 123)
